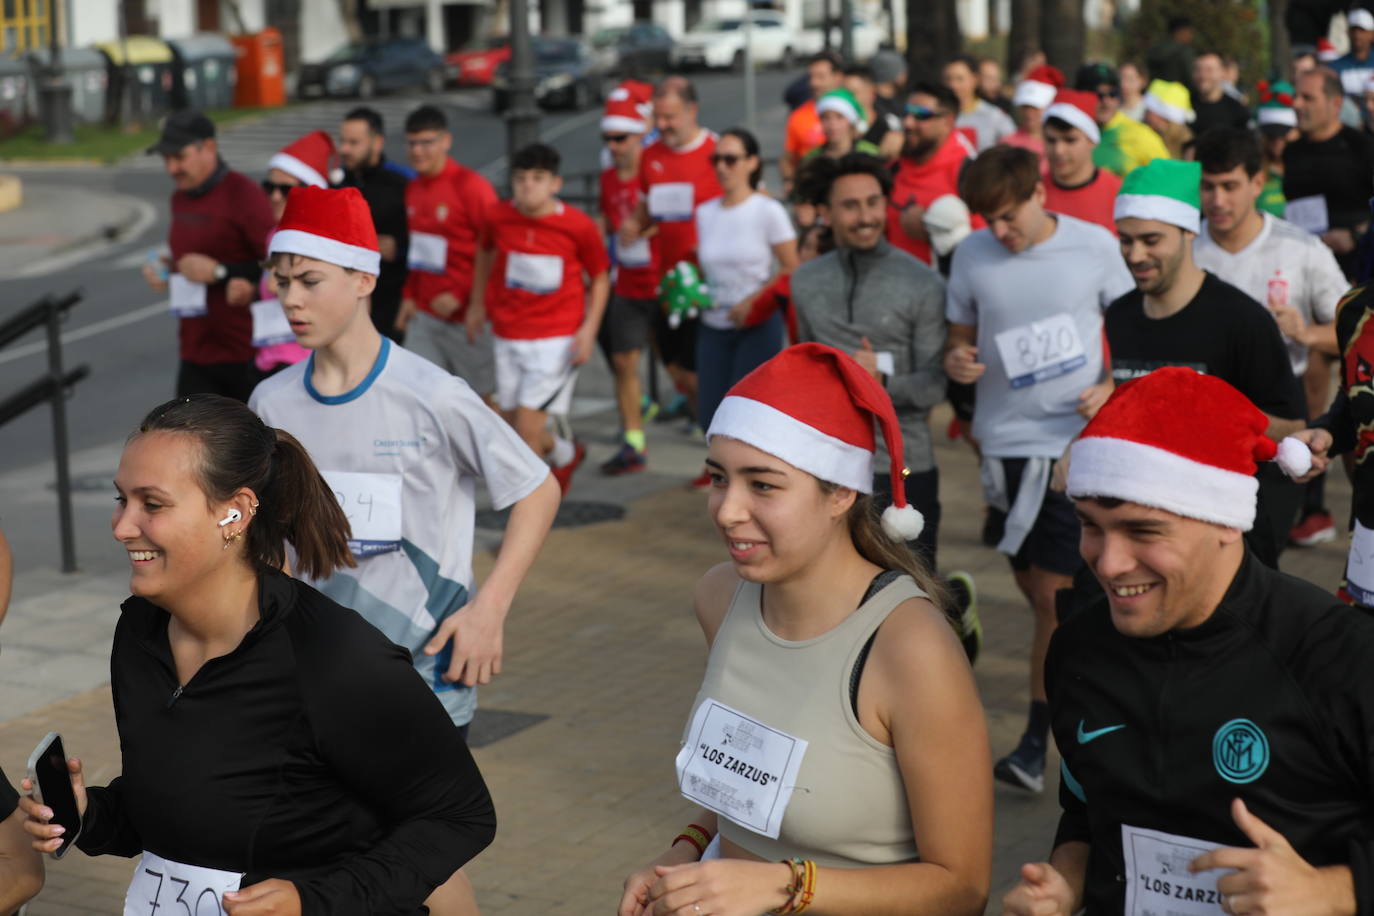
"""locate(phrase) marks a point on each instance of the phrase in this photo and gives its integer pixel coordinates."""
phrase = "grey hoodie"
(898, 303)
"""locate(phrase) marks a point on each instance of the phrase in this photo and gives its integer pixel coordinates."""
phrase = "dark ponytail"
(294, 503)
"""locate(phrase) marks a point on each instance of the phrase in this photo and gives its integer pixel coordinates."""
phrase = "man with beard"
(383, 185)
(1025, 305)
(886, 309)
(1180, 315)
(929, 167)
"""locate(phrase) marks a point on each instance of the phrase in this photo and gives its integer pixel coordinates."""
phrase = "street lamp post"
(522, 121)
(54, 90)
(847, 30)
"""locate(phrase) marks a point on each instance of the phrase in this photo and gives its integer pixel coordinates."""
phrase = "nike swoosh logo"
(1085, 737)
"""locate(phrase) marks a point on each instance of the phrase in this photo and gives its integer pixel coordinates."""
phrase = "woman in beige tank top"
(838, 729)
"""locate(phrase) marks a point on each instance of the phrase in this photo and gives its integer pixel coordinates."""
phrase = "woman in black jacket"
(272, 740)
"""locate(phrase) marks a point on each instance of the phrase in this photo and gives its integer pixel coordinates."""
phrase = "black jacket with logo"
(1162, 733)
(313, 752)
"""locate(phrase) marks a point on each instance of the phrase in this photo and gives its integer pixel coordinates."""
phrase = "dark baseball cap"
(180, 130)
(1092, 75)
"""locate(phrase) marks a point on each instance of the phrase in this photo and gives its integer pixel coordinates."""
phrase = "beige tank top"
(849, 807)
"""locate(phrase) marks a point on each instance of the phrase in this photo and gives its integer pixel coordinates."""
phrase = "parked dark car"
(633, 51)
(566, 75)
(366, 68)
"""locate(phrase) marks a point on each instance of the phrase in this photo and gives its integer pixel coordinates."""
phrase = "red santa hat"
(814, 407)
(1326, 51)
(627, 108)
(1183, 442)
(311, 159)
(1077, 109)
(1038, 88)
(329, 225)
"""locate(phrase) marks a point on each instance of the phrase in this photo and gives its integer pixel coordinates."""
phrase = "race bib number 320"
(1041, 350)
(1158, 882)
(739, 767)
(161, 886)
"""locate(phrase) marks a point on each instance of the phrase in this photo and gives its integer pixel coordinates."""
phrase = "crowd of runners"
(1134, 288)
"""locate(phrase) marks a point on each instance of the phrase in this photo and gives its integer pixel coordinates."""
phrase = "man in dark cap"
(217, 239)
(1126, 144)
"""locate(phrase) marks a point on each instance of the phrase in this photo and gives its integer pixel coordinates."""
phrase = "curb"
(73, 163)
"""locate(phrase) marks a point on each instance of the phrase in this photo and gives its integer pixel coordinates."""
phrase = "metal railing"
(49, 311)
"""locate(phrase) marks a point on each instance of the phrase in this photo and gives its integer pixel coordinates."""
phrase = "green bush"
(1232, 28)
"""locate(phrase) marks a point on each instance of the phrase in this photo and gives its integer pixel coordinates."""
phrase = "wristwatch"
(221, 273)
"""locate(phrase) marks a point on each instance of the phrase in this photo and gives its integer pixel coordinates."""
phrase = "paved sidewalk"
(56, 218)
(602, 643)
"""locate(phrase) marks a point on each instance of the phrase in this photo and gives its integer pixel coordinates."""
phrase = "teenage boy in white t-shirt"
(542, 276)
(403, 443)
(1025, 303)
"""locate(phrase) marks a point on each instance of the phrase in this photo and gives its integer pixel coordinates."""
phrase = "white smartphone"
(52, 786)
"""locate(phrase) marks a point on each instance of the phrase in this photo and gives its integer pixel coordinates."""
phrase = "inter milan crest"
(1240, 751)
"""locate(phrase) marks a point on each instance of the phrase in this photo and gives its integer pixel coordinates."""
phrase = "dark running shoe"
(626, 461)
(1023, 768)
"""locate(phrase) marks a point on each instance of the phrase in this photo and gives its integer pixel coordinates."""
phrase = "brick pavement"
(602, 642)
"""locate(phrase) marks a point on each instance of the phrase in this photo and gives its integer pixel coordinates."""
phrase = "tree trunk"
(932, 37)
(994, 17)
(1023, 39)
(348, 12)
(1061, 33)
(1280, 48)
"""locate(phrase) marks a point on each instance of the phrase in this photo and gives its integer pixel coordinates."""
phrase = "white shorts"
(535, 374)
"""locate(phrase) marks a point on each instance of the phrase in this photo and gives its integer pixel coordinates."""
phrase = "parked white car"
(869, 37)
(719, 43)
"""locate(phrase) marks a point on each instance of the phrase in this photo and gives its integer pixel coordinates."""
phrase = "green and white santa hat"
(1168, 190)
(843, 101)
(1276, 104)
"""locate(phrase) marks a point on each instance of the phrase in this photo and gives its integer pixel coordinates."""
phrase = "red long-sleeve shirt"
(452, 206)
(229, 222)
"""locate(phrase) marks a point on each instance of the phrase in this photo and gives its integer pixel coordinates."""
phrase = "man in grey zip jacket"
(883, 307)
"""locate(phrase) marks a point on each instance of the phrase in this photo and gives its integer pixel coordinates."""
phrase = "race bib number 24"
(161, 887)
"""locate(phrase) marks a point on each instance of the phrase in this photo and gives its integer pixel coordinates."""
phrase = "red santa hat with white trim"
(814, 407)
(627, 108)
(1039, 87)
(311, 159)
(328, 225)
(1183, 442)
(1077, 109)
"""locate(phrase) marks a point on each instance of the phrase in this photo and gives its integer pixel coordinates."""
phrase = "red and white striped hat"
(1038, 88)
(1077, 109)
(627, 108)
(310, 158)
(814, 407)
(1176, 440)
(329, 225)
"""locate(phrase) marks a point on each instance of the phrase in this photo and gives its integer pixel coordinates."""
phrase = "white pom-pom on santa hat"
(814, 407)
(1295, 457)
(1175, 440)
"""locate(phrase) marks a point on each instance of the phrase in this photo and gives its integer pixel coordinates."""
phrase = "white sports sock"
(561, 453)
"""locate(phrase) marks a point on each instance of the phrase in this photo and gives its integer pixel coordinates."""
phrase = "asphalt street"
(121, 328)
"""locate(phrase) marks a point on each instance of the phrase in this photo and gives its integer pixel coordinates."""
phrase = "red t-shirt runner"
(636, 275)
(675, 182)
(921, 183)
(536, 288)
(446, 215)
(1093, 202)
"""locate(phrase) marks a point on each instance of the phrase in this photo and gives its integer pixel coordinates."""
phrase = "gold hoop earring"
(229, 539)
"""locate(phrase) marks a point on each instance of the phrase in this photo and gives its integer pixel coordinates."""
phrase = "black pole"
(55, 92)
(59, 436)
(847, 31)
(522, 121)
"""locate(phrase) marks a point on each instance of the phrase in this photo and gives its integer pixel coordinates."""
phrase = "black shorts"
(232, 380)
(626, 324)
(676, 346)
(1052, 542)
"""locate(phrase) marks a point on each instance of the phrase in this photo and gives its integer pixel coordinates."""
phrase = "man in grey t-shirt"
(1025, 303)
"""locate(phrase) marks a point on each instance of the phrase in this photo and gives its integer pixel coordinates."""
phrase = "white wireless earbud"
(233, 516)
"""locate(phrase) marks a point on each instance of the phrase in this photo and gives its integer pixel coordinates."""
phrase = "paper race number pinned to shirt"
(1041, 350)
(176, 888)
(1308, 212)
(739, 768)
(1359, 566)
(672, 202)
(186, 297)
(270, 326)
(1158, 882)
(372, 504)
(537, 273)
(632, 254)
(428, 252)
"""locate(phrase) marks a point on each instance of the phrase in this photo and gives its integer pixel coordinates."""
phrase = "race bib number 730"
(161, 887)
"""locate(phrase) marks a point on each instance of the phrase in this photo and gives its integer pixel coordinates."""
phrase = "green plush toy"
(682, 291)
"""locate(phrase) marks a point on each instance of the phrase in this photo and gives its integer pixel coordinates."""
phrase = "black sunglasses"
(614, 138)
(921, 113)
(1109, 93)
(729, 159)
(272, 186)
